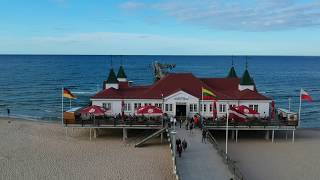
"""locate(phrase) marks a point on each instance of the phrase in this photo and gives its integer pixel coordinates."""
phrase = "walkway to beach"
(200, 160)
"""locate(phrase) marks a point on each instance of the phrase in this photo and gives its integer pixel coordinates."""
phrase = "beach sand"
(38, 150)
(260, 159)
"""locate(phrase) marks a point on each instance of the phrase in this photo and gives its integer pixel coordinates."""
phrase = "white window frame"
(106, 106)
(222, 108)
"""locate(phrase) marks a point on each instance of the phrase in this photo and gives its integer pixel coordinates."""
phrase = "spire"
(121, 73)
(112, 78)
(246, 78)
(232, 72)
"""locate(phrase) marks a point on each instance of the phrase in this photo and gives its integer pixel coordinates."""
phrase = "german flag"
(67, 94)
(206, 94)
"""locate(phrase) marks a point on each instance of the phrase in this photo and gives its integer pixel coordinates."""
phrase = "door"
(181, 110)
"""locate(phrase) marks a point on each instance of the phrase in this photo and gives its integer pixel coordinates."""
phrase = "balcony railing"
(249, 122)
(115, 121)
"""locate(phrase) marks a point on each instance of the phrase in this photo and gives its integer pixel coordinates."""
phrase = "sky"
(154, 27)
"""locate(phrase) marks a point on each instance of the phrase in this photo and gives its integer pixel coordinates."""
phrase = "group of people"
(190, 125)
(181, 146)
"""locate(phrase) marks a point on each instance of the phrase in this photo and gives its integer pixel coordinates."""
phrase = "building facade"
(180, 94)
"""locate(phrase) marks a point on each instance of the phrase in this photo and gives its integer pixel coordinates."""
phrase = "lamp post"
(173, 134)
(227, 130)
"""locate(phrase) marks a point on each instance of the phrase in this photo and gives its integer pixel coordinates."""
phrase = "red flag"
(305, 96)
(214, 110)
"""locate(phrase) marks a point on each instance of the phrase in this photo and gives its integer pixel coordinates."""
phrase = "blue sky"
(198, 27)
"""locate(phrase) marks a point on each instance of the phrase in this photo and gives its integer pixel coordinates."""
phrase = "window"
(254, 107)
(145, 104)
(168, 107)
(137, 105)
(159, 105)
(222, 108)
(204, 108)
(193, 108)
(211, 107)
(106, 105)
(127, 106)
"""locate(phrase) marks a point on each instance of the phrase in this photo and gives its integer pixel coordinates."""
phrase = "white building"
(179, 94)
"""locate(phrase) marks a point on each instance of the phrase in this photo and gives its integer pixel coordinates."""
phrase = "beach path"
(200, 160)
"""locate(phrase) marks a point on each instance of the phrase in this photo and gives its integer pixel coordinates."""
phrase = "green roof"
(112, 79)
(232, 73)
(246, 79)
(121, 73)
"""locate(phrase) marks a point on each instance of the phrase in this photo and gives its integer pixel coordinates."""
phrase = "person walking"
(8, 111)
(179, 150)
(191, 127)
(187, 125)
(171, 121)
(204, 136)
(184, 144)
(178, 142)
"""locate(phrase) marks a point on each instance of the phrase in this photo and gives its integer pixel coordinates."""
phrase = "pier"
(200, 160)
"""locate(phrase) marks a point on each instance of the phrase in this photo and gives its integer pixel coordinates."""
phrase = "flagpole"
(227, 130)
(70, 102)
(202, 108)
(299, 109)
(62, 105)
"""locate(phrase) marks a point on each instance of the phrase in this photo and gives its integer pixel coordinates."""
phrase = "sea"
(30, 85)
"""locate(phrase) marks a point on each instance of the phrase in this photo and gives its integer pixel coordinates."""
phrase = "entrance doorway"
(181, 110)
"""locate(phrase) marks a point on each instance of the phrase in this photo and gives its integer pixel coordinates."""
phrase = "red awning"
(95, 110)
(149, 110)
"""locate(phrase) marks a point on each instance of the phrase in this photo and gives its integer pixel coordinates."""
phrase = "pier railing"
(115, 121)
(233, 168)
(250, 122)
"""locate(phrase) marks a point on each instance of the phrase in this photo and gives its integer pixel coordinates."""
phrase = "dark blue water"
(31, 85)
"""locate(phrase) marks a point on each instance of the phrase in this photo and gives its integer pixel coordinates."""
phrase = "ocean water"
(30, 85)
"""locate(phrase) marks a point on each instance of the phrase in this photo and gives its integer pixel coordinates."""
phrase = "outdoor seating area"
(96, 116)
(116, 121)
(249, 122)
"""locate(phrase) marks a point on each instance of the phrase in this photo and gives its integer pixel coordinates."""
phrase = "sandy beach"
(264, 160)
(37, 150)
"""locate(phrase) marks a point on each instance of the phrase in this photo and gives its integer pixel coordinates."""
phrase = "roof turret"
(121, 73)
(246, 78)
(112, 78)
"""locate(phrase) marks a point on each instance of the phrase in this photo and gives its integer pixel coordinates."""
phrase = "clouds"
(256, 15)
(149, 44)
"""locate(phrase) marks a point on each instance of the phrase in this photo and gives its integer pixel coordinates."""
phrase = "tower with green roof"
(112, 81)
(246, 82)
(121, 76)
(232, 72)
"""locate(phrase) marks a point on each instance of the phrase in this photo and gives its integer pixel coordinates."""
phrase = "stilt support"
(161, 137)
(232, 134)
(236, 135)
(272, 136)
(125, 134)
(267, 135)
(95, 133)
(66, 132)
(293, 136)
(90, 133)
